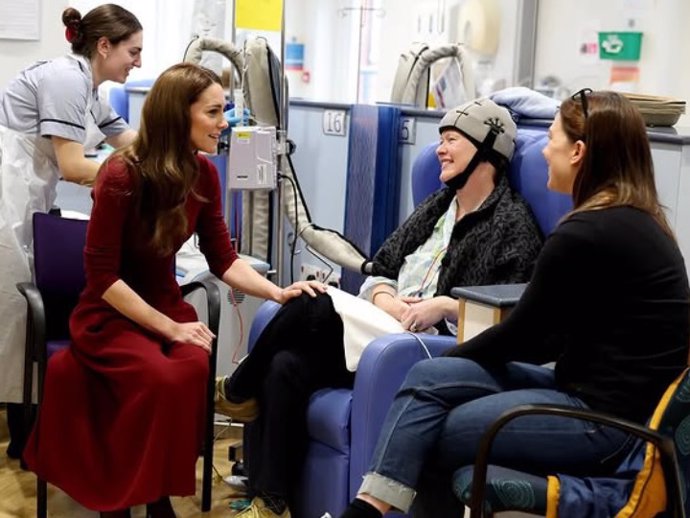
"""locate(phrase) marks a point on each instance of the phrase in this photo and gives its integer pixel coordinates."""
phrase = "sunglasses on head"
(581, 97)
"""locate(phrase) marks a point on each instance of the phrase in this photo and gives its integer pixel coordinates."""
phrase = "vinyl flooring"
(18, 487)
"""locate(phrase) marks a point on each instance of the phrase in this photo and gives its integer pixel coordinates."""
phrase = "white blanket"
(362, 323)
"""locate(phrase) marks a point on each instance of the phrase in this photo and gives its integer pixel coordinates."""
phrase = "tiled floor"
(18, 487)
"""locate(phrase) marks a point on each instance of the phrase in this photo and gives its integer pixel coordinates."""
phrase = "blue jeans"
(446, 404)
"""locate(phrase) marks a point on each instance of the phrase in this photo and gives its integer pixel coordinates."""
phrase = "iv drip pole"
(279, 216)
(229, 198)
(282, 157)
(253, 62)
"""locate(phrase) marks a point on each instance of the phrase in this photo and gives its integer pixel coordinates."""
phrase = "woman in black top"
(608, 302)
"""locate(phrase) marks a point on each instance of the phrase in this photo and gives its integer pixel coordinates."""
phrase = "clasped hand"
(420, 314)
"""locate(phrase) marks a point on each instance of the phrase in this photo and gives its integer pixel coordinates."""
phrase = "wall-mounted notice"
(263, 15)
(20, 19)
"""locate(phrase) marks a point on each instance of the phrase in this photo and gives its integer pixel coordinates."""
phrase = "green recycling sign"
(620, 46)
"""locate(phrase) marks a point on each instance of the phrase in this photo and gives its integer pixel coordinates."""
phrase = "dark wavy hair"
(617, 168)
(107, 20)
(164, 165)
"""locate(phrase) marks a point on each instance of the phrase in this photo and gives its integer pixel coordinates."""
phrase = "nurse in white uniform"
(49, 115)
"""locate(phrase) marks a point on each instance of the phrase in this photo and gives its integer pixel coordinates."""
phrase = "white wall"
(330, 41)
(400, 30)
(15, 55)
(666, 48)
(563, 24)
(167, 30)
(329, 30)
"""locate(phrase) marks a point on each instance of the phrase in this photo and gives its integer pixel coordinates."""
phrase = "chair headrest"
(118, 97)
(529, 176)
(426, 170)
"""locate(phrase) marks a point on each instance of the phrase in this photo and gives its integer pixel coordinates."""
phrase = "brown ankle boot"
(243, 412)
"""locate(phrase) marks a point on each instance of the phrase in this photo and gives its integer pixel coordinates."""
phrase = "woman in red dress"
(121, 423)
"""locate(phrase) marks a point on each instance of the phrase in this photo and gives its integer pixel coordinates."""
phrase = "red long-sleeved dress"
(121, 421)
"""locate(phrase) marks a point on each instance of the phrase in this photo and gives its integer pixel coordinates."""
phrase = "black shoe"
(14, 450)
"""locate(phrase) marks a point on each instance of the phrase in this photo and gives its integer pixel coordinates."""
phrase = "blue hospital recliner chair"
(343, 425)
(118, 97)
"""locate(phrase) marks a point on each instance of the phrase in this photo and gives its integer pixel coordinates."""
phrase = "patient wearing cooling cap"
(475, 231)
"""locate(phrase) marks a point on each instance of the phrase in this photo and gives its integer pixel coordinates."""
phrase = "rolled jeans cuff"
(395, 494)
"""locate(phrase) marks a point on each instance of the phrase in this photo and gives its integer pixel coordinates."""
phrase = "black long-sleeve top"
(608, 301)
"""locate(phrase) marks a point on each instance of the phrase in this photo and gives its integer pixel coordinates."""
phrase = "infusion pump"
(253, 158)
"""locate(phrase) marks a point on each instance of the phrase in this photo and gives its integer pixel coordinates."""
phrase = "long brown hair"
(617, 168)
(164, 165)
(107, 20)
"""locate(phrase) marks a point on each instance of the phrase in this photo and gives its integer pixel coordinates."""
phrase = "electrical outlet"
(315, 273)
(309, 272)
(333, 280)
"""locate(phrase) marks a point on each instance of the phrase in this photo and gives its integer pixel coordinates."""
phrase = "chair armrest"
(663, 443)
(495, 295)
(36, 318)
(264, 314)
(382, 369)
(212, 300)
(213, 313)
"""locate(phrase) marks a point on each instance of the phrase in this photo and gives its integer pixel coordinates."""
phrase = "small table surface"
(498, 295)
